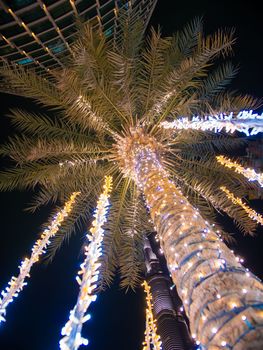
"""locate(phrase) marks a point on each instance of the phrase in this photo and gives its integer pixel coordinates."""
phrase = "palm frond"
(94, 71)
(40, 124)
(193, 142)
(153, 67)
(228, 102)
(82, 107)
(112, 238)
(29, 84)
(131, 260)
(29, 175)
(187, 38)
(217, 81)
(134, 226)
(59, 150)
(187, 76)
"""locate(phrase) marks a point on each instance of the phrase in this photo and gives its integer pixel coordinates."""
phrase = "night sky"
(35, 319)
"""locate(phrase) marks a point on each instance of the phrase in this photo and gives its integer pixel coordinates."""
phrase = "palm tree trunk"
(223, 301)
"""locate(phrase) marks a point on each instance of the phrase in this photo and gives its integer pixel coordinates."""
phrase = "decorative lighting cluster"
(72, 163)
(126, 149)
(222, 299)
(89, 273)
(152, 339)
(246, 122)
(157, 108)
(236, 200)
(250, 174)
(16, 284)
(84, 105)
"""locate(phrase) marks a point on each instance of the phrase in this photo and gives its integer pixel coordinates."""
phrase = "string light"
(85, 108)
(246, 122)
(238, 201)
(250, 174)
(152, 339)
(88, 275)
(16, 284)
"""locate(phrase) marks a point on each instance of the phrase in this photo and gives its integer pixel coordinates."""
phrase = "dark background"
(35, 319)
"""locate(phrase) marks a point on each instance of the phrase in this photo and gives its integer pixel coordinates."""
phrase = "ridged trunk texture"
(223, 301)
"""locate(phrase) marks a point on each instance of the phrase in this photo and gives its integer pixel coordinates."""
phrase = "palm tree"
(107, 107)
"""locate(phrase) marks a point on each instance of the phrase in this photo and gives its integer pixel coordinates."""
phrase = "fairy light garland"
(152, 339)
(246, 122)
(238, 201)
(16, 284)
(250, 174)
(88, 275)
(84, 106)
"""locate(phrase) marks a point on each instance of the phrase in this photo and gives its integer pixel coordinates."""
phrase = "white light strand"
(249, 173)
(90, 272)
(85, 106)
(16, 284)
(246, 122)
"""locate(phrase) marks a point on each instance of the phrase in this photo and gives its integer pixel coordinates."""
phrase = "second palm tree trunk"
(223, 301)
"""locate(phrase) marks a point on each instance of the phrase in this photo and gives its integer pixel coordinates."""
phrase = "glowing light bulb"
(233, 305)
(214, 330)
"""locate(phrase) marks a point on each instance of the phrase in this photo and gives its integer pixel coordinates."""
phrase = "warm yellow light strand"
(90, 272)
(16, 284)
(151, 336)
(236, 200)
(250, 174)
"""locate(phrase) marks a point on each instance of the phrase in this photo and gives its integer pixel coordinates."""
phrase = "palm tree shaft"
(222, 300)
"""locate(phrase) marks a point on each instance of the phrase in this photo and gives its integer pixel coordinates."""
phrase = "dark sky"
(34, 320)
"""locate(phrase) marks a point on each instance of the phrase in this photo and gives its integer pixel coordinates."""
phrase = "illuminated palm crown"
(110, 95)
